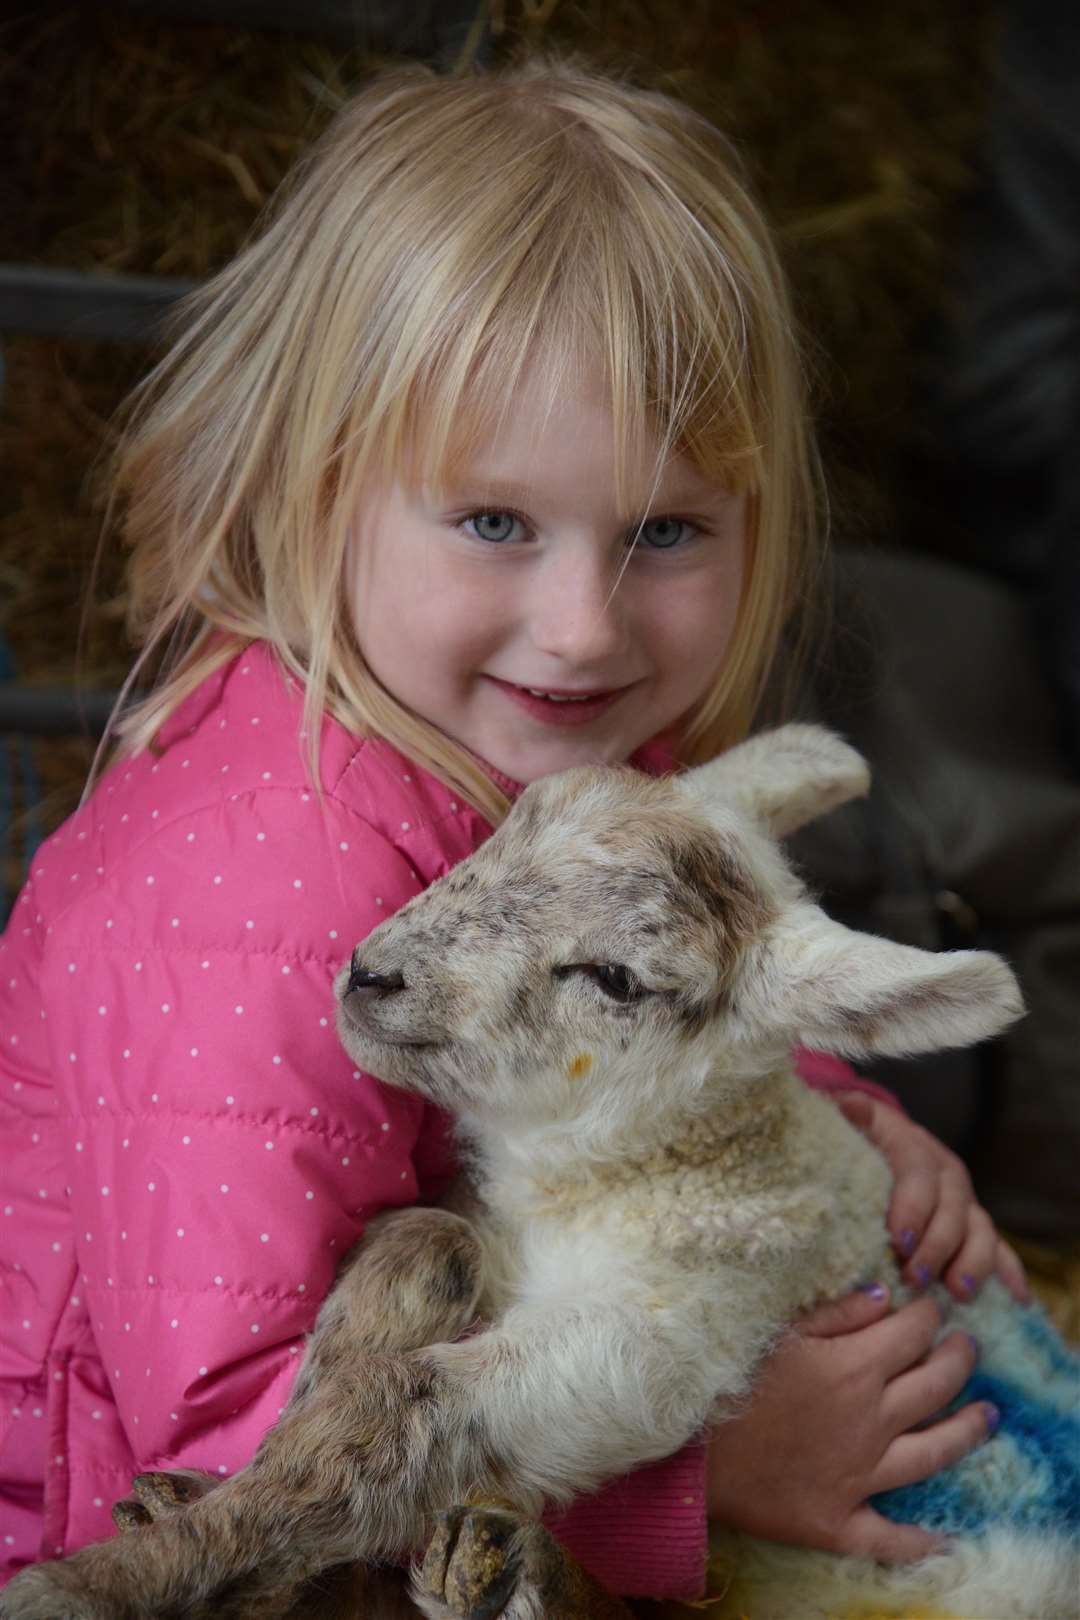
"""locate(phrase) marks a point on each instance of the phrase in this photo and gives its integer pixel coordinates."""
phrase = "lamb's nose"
(379, 983)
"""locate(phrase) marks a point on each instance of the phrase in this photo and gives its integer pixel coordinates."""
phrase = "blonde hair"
(440, 236)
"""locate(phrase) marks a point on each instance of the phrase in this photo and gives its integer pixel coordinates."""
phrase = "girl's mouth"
(557, 707)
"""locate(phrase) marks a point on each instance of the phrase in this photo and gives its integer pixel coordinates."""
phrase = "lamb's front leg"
(374, 1447)
(415, 1278)
(357, 1469)
(566, 1399)
(483, 1559)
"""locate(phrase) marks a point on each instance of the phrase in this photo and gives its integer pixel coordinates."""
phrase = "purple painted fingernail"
(922, 1275)
(875, 1290)
(974, 1343)
(968, 1283)
(907, 1240)
(993, 1417)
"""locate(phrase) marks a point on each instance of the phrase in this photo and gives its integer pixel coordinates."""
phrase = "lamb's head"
(629, 944)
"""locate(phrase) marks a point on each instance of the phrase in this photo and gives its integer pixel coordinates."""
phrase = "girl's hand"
(937, 1227)
(830, 1424)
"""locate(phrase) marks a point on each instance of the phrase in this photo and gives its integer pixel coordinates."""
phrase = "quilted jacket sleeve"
(822, 1072)
(220, 1149)
(36, 1263)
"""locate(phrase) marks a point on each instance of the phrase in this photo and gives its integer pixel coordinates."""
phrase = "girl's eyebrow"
(511, 490)
(496, 488)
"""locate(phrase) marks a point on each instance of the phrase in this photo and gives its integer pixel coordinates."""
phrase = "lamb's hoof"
(487, 1560)
(471, 1564)
(130, 1515)
(159, 1496)
(164, 1494)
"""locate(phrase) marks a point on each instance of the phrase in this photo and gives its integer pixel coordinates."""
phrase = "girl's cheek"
(465, 616)
(699, 613)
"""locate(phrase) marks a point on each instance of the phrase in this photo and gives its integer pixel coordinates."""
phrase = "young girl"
(488, 458)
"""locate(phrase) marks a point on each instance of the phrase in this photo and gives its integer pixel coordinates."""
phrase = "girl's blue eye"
(495, 526)
(660, 534)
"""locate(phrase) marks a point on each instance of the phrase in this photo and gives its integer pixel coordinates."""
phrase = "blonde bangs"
(600, 291)
(445, 237)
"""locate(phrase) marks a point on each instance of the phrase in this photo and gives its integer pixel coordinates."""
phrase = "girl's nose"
(576, 614)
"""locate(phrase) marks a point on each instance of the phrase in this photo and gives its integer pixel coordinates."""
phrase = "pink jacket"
(187, 1152)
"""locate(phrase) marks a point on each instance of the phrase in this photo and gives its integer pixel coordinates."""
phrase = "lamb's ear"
(857, 995)
(782, 778)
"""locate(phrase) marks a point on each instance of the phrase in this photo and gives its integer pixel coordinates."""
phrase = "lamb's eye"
(616, 981)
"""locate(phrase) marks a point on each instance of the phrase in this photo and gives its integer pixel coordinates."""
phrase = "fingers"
(975, 1259)
(915, 1198)
(917, 1161)
(847, 1314)
(933, 1217)
(897, 1343)
(869, 1535)
(915, 1396)
(928, 1213)
(958, 1242)
(912, 1457)
(857, 1108)
(946, 1231)
(936, 1224)
(1010, 1268)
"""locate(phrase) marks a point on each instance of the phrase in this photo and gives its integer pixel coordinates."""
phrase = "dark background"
(921, 165)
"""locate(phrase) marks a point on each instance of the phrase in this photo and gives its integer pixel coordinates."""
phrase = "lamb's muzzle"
(360, 979)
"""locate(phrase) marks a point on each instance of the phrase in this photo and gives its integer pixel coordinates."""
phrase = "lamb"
(605, 997)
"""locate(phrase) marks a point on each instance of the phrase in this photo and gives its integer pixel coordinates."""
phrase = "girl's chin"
(527, 763)
(525, 745)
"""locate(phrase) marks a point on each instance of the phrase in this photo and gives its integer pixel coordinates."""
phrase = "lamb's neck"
(519, 1169)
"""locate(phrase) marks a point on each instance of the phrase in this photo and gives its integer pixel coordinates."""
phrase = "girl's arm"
(644, 1535)
(35, 1262)
(221, 1151)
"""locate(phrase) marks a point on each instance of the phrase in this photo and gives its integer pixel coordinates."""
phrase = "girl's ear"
(857, 995)
(782, 778)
